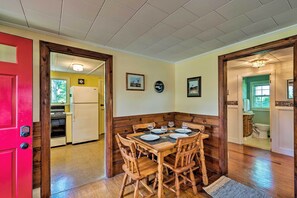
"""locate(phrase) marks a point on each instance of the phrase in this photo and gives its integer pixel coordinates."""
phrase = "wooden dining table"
(163, 147)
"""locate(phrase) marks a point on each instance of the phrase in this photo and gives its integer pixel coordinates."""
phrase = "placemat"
(162, 138)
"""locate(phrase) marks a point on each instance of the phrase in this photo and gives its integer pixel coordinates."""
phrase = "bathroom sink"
(248, 113)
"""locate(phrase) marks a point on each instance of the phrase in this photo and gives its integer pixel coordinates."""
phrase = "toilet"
(261, 130)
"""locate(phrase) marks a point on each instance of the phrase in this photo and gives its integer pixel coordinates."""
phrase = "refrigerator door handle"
(73, 117)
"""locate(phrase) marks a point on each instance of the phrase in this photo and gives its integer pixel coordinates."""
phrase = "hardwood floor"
(261, 169)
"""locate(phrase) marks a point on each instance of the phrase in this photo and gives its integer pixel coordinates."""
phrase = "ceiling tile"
(286, 18)
(193, 42)
(180, 18)
(103, 30)
(43, 22)
(132, 30)
(11, 11)
(87, 9)
(209, 34)
(50, 8)
(201, 7)
(137, 46)
(208, 21)
(195, 51)
(213, 44)
(116, 11)
(75, 33)
(149, 15)
(154, 49)
(268, 10)
(259, 27)
(232, 37)
(169, 41)
(293, 3)
(157, 33)
(237, 7)
(234, 24)
(133, 4)
(186, 32)
(265, 1)
(173, 50)
(112, 17)
(168, 6)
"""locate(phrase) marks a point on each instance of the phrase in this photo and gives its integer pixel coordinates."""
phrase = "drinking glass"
(150, 127)
(163, 129)
(184, 126)
(170, 124)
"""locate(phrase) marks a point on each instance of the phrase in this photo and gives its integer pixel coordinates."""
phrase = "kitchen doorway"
(46, 49)
(77, 121)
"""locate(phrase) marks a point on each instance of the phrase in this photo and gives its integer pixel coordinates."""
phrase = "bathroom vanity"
(247, 124)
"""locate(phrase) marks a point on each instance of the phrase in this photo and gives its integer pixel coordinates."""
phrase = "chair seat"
(170, 160)
(146, 167)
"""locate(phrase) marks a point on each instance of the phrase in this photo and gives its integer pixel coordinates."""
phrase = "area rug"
(225, 187)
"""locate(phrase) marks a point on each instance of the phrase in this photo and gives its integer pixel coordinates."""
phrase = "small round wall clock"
(159, 86)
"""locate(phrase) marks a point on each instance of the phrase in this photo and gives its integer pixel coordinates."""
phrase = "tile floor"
(257, 142)
(75, 165)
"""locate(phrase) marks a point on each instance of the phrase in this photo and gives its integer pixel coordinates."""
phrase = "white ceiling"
(63, 63)
(273, 57)
(171, 30)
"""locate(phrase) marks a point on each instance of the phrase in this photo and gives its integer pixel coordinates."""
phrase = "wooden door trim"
(222, 68)
(45, 49)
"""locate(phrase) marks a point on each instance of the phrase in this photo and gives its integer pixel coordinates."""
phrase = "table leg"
(203, 166)
(160, 174)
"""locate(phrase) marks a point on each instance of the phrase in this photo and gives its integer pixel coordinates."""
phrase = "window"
(58, 91)
(260, 95)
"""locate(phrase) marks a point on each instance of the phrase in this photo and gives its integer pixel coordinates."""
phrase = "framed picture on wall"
(194, 87)
(290, 89)
(135, 82)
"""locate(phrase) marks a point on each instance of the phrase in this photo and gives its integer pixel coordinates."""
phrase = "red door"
(15, 117)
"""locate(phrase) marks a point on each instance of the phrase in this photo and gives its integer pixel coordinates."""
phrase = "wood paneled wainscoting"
(123, 125)
(36, 155)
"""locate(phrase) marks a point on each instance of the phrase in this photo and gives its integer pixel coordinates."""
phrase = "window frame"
(252, 95)
(67, 91)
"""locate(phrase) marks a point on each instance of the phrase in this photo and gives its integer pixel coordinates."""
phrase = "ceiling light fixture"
(77, 67)
(259, 63)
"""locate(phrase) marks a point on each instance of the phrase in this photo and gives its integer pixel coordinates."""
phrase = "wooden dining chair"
(182, 163)
(141, 128)
(199, 156)
(135, 168)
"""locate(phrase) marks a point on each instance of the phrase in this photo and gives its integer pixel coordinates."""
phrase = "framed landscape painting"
(194, 87)
(135, 82)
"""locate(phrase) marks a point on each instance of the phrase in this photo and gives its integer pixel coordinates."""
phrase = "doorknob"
(24, 145)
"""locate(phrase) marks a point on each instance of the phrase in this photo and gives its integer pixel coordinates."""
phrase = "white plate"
(149, 137)
(158, 131)
(177, 135)
(183, 130)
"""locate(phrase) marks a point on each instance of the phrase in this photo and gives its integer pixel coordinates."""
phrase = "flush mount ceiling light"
(259, 63)
(77, 67)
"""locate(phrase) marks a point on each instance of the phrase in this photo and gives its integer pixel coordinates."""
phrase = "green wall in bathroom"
(261, 116)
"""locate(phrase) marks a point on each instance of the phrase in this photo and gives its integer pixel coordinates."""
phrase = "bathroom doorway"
(256, 111)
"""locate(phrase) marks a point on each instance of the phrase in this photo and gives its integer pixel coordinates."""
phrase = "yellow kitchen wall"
(206, 66)
(90, 80)
(125, 102)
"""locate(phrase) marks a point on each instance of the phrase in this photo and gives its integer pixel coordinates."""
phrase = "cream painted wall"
(125, 102)
(206, 65)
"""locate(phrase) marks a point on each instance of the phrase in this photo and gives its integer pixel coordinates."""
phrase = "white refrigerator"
(84, 108)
